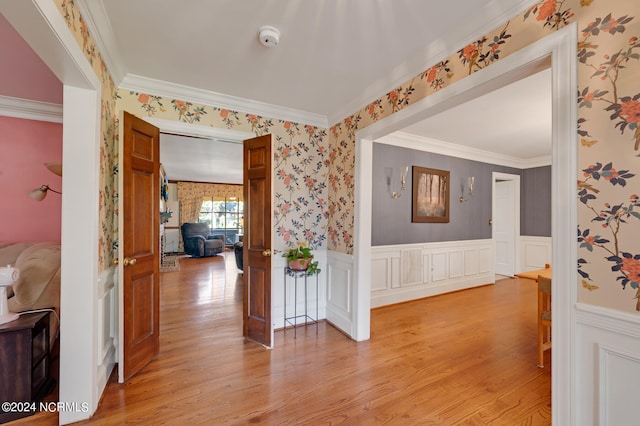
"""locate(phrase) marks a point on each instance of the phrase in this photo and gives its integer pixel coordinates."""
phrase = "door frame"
(561, 47)
(516, 225)
(40, 23)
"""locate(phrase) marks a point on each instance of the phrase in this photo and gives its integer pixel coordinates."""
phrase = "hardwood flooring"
(465, 358)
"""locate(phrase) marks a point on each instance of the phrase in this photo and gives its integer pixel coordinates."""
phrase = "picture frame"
(430, 195)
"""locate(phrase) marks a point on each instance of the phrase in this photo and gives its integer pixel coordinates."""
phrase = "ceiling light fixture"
(269, 36)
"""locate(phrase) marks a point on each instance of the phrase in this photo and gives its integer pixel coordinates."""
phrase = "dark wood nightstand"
(24, 362)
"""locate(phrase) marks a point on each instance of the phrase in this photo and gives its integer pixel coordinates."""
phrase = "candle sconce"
(403, 180)
(470, 182)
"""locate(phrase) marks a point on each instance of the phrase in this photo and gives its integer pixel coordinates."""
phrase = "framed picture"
(430, 197)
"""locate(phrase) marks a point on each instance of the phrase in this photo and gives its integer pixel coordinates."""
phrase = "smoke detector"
(269, 36)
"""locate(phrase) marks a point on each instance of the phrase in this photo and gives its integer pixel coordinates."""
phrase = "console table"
(293, 320)
(24, 362)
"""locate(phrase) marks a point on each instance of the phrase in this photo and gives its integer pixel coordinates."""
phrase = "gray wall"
(535, 202)
(391, 218)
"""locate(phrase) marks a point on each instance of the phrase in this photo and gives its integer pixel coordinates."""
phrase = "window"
(224, 217)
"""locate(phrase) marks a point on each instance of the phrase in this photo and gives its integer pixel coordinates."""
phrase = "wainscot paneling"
(339, 311)
(411, 271)
(107, 327)
(278, 263)
(607, 360)
(535, 252)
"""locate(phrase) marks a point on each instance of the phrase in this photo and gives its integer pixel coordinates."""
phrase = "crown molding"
(167, 89)
(421, 143)
(30, 110)
(496, 13)
(96, 18)
(101, 30)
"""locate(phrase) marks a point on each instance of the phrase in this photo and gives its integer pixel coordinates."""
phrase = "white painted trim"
(95, 17)
(30, 110)
(613, 401)
(561, 45)
(529, 243)
(107, 310)
(465, 264)
(339, 279)
(363, 204)
(102, 32)
(422, 143)
(496, 13)
(42, 26)
(516, 231)
(564, 220)
(198, 130)
(610, 320)
(170, 90)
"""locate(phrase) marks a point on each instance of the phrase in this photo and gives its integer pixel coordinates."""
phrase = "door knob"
(267, 252)
(129, 261)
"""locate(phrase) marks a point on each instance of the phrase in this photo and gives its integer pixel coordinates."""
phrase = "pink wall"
(25, 145)
(23, 73)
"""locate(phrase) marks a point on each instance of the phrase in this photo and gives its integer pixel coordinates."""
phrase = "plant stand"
(293, 320)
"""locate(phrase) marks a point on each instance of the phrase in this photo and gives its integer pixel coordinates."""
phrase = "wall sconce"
(470, 182)
(403, 180)
(38, 194)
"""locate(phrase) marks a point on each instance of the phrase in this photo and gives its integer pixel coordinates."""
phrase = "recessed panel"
(142, 146)
(143, 298)
(257, 158)
(256, 292)
(257, 193)
(141, 189)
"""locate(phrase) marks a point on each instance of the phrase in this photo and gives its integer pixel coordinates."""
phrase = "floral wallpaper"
(609, 137)
(300, 161)
(107, 238)
(314, 181)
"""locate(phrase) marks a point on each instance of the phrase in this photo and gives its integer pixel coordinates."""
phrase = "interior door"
(504, 227)
(139, 245)
(257, 240)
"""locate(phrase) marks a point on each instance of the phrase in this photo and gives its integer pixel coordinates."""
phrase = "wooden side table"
(24, 362)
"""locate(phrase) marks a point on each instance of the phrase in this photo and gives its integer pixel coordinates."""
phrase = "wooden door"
(139, 245)
(257, 240)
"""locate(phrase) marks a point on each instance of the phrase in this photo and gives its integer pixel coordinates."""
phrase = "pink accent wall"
(23, 74)
(25, 145)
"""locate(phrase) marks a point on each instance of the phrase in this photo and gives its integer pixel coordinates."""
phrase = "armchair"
(198, 242)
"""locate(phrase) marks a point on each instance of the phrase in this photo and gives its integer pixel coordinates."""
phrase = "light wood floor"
(465, 358)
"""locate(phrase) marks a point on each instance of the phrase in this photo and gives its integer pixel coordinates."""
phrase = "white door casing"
(506, 222)
(561, 47)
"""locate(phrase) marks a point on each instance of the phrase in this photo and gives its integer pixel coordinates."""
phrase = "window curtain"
(191, 195)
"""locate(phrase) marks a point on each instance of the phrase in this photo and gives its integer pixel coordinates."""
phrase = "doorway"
(505, 202)
(81, 372)
(560, 47)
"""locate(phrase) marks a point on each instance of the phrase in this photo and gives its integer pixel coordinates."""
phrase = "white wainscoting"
(340, 291)
(107, 316)
(411, 271)
(608, 366)
(278, 263)
(535, 252)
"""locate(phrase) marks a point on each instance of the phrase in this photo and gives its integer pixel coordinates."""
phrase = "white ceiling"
(334, 56)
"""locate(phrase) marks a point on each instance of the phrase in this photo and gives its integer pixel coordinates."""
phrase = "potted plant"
(300, 258)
